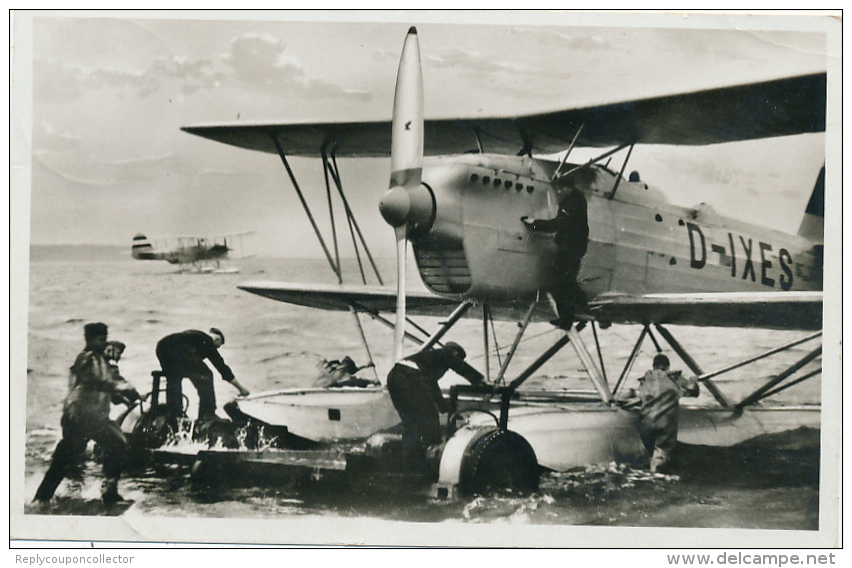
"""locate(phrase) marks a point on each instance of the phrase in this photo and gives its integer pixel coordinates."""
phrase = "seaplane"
(458, 191)
(202, 253)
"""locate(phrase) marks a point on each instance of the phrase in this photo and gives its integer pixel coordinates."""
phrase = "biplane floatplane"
(202, 253)
(458, 190)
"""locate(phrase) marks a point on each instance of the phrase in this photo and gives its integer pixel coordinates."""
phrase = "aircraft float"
(458, 189)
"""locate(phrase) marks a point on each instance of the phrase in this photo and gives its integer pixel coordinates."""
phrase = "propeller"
(407, 204)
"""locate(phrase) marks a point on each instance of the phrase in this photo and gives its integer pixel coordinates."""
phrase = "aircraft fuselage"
(476, 246)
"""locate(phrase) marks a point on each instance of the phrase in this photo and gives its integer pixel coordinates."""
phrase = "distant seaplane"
(648, 263)
(203, 253)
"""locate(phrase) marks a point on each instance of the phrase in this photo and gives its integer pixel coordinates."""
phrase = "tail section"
(142, 249)
(812, 226)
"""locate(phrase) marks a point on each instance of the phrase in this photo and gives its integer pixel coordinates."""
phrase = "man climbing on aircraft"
(182, 355)
(571, 226)
(341, 373)
(85, 417)
(416, 396)
(659, 392)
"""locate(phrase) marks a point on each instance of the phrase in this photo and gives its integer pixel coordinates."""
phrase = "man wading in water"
(660, 391)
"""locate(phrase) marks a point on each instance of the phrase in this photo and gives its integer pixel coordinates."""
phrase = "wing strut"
(333, 224)
(307, 209)
(567, 153)
(619, 148)
(621, 173)
(331, 168)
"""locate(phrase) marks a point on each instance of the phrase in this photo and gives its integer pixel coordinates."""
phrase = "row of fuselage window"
(498, 182)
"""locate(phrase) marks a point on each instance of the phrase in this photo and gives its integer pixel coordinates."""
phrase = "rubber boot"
(109, 491)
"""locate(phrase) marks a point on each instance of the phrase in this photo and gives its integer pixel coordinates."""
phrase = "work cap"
(661, 361)
(349, 365)
(456, 348)
(219, 333)
(91, 330)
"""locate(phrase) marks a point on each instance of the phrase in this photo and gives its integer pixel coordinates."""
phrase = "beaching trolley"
(148, 424)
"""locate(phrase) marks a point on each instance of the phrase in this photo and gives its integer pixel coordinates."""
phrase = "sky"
(99, 102)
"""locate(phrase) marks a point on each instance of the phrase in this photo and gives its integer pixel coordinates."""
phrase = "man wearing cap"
(85, 417)
(660, 391)
(182, 355)
(416, 396)
(341, 373)
(571, 228)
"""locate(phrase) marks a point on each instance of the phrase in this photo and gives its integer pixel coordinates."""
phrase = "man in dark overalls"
(571, 226)
(416, 396)
(182, 355)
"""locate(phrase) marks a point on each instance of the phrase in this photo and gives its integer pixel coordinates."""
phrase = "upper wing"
(765, 310)
(792, 105)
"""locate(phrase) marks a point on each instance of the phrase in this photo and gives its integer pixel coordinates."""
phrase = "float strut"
(354, 313)
(759, 393)
(586, 358)
(784, 347)
(630, 360)
(509, 391)
(791, 383)
(379, 318)
(445, 326)
(485, 317)
(524, 324)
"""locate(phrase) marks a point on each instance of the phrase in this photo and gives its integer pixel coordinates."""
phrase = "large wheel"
(499, 461)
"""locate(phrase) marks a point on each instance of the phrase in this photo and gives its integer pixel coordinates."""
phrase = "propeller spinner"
(407, 203)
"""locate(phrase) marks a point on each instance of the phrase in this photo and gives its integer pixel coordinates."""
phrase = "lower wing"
(764, 310)
(772, 310)
(373, 299)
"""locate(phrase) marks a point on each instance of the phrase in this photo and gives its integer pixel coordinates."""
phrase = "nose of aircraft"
(411, 207)
(395, 206)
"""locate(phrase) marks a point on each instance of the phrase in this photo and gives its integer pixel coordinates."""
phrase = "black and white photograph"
(498, 279)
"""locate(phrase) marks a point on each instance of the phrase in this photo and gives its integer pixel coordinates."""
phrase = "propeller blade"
(406, 166)
(407, 125)
(399, 327)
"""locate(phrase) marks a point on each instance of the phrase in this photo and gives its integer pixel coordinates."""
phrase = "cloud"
(56, 82)
(192, 74)
(474, 62)
(572, 42)
(261, 61)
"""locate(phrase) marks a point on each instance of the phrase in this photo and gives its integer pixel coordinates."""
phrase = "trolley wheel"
(154, 428)
(499, 461)
(206, 476)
